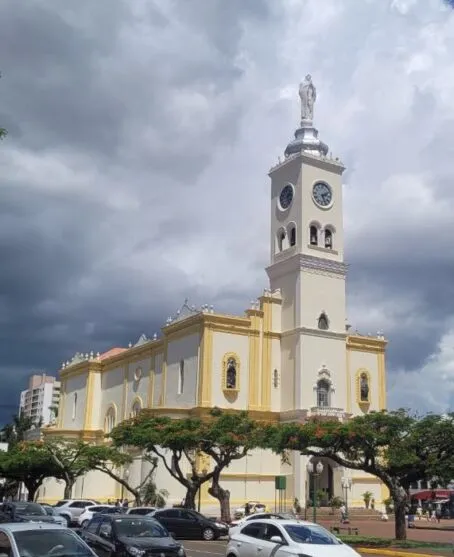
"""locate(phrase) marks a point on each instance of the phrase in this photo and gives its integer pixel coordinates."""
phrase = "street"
(205, 549)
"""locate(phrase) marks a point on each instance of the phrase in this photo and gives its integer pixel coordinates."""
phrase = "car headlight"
(181, 552)
(135, 551)
(219, 525)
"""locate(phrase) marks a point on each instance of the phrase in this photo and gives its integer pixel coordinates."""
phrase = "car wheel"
(208, 534)
(84, 523)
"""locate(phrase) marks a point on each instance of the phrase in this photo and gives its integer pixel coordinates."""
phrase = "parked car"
(235, 524)
(188, 524)
(126, 534)
(50, 511)
(285, 538)
(37, 539)
(23, 511)
(140, 510)
(90, 511)
(254, 507)
(71, 509)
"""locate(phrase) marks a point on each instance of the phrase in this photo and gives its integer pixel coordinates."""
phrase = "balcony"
(328, 412)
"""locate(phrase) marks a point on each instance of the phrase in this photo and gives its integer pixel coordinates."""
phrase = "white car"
(254, 507)
(28, 539)
(71, 509)
(142, 511)
(279, 538)
(88, 513)
(236, 524)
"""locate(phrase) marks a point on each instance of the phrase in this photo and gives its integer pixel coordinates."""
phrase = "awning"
(432, 494)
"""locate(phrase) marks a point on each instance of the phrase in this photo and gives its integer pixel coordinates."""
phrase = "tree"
(27, 465)
(69, 458)
(113, 461)
(222, 436)
(395, 446)
(14, 432)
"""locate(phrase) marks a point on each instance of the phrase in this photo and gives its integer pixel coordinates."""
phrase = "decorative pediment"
(143, 339)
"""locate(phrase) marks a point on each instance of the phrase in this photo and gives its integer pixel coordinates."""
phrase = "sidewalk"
(381, 529)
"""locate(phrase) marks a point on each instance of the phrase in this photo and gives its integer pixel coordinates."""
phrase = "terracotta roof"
(112, 352)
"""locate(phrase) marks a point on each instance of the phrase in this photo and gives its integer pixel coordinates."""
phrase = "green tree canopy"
(395, 446)
(27, 465)
(14, 432)
(222, 436)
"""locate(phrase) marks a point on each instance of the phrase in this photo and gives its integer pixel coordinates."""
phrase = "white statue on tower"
(308, 96)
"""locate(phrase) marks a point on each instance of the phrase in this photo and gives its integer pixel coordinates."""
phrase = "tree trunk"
(32, 489)
(399, 497)
(223, 496)
(69, 484)
(189, 500)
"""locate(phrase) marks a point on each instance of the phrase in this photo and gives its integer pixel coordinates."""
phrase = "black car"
(23, 511)
(120, 535)
(188, 524)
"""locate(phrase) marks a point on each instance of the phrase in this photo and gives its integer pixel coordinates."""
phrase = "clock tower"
(307, 267)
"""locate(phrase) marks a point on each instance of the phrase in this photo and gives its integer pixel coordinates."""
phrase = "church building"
(291, 355)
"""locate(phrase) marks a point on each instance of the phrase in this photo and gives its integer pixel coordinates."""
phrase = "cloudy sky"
(135, 169)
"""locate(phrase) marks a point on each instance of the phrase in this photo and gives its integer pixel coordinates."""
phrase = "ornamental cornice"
(315, 332)
(308, 263)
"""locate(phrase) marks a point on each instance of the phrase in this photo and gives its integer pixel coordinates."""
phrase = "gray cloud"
(140, 134)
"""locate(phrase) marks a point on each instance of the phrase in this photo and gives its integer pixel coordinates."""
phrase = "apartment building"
(40, 400)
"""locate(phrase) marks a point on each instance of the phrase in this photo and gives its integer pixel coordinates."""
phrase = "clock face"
(322, 194)
(286, 197)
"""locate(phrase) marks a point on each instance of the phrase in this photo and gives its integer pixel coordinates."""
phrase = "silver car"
(38, 539)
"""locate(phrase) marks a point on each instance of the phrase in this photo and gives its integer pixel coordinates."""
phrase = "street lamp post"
(346, 485)
(314, 473)
(201, 475)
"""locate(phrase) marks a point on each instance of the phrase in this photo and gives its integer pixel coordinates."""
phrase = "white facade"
(290, 357)
(40, 401)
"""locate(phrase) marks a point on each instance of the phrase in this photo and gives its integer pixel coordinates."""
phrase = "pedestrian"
(247, 509)
(109, 502)
(118, 503)
(343, 511)
(438, 514)
(125, 503)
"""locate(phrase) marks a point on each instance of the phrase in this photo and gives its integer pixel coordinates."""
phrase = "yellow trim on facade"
(61, 404)
(349, 382)
(366, 344)
(382, 396)
(255, 317)
(151, 380)
(162, 398)
(89, 399)
(206, 367)
(266, 354)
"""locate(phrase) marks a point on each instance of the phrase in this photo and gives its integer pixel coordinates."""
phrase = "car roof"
(25, 526)
(124, 515)
(286, 521)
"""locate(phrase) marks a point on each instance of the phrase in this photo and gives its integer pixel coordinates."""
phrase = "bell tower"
(307, 262)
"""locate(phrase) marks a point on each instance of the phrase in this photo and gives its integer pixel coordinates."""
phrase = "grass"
(369, 541)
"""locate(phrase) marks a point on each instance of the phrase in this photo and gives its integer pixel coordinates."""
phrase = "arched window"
(281, 240)
(292, 234)
(323, 322)
(109, 420)
(313, 235)
(136, 408)
(328, 239)
(230, 372)
(181, 378)
(323, 393)
(75, 406)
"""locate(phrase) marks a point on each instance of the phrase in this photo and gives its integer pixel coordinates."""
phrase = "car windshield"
(139, 528)
(30, 509)
(305, 533)
(58, 543)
